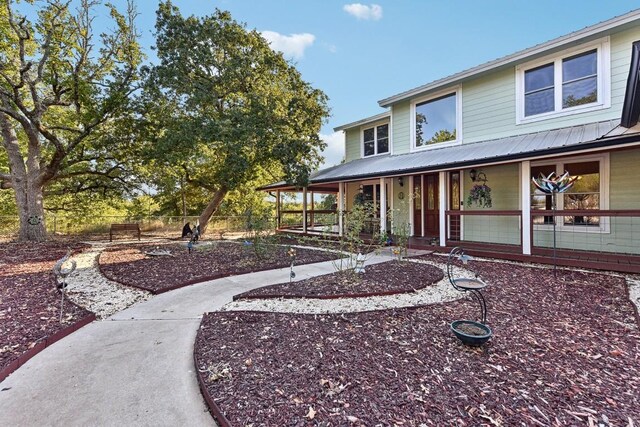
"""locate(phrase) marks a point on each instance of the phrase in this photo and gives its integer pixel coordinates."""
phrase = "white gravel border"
(442, 291)
(88, 288)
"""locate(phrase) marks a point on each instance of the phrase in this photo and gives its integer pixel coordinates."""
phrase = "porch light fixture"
(473, 174)
(400, 181)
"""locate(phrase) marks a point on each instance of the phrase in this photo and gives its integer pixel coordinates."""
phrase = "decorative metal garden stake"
(59, 272)
(360, 259)
(554, 184)
(292, 254)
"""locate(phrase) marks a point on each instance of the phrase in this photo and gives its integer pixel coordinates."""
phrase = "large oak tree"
(222, 106)
(62, 91)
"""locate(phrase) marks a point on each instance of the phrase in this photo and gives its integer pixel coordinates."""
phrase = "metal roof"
(530, 145)
(512, 148)
(596, 30)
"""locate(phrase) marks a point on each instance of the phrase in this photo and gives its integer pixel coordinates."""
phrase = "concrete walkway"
(135, 368)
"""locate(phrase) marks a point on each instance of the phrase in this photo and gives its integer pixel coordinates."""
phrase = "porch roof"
(520, 147)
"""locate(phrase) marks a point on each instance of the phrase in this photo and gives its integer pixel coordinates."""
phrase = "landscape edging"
(44, 343)
(190, 281)
(337, 296)
(214, 409)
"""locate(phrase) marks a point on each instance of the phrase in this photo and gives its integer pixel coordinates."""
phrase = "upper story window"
(375, 140)
(436, 120)
(575, 82)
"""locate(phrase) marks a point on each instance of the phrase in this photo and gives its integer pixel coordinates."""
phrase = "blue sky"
(359, 53)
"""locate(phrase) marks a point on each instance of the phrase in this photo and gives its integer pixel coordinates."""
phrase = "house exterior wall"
(400, 212)
(352, 144)
(401, 116)
(505, 195)
(489, 105)
(623, 234)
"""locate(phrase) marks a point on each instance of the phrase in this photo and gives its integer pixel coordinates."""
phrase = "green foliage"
(355, 223)
(259, 234)
(224, 111)
(65, 103)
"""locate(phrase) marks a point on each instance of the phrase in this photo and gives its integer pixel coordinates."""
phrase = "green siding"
(352, 144)
(401, 127)
(624, 192)
(489, 103)
(505, 195)
(400, 213)
(624, 233)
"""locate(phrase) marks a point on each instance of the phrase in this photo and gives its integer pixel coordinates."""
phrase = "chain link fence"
(160, 226)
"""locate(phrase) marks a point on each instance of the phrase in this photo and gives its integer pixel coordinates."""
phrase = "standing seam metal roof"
(484, 151)
(530, 145)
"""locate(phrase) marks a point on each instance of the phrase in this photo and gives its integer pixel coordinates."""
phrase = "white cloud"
(334, 152)
(362, 11)
(292, 46)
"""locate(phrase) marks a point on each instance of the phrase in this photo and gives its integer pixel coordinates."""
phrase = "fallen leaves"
(563, 354)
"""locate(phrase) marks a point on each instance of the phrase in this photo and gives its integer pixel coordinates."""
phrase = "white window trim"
(375, 141)
(457, 90)
(604, 227)
(603, 53)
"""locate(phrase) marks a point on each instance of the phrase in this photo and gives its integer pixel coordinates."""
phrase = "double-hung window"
(577, 81)
(588, 193)
(375, 140)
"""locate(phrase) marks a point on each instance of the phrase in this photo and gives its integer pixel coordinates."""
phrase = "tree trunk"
(31, 212)
(211, 208)
(26, 183)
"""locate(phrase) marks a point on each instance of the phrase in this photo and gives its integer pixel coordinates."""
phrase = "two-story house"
(567, 105)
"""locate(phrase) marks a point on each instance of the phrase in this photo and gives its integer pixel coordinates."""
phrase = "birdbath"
(468, 331)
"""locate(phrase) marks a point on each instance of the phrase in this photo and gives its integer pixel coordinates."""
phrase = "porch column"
(525, 191)
(340, 208)
(304, 210)
(383, 206)
(278, 209)
(442, 183)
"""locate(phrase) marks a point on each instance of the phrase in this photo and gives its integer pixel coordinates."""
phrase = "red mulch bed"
(565, 351)
(29, 300)
(386, 278)
(129, 265)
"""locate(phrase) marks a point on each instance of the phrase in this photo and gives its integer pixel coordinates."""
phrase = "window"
(585, 193)
(577, 81)
(436, 121)
(588, 193)
(376, 140)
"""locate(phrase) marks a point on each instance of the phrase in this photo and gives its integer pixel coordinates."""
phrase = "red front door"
(431, 206)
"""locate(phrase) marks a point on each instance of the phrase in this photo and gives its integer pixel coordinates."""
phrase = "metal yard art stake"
(554, 184)
(63, 273)
(292, 255)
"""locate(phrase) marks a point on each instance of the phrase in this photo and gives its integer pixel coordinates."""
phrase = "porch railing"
(499, 230)
(609, 233)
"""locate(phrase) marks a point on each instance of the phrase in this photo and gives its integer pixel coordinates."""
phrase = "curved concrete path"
(135, 368)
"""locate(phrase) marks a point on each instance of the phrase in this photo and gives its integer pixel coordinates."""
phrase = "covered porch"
(436, 197)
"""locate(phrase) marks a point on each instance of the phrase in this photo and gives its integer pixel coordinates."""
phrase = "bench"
(117, 228)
